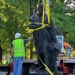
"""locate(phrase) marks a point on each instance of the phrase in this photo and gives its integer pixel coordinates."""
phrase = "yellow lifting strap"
(47, 8)
(46, 66)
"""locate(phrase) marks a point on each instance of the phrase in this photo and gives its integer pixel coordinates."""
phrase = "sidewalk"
(4, 73)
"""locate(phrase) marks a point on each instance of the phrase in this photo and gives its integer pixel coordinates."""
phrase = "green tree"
(58, 12)
(15, 16)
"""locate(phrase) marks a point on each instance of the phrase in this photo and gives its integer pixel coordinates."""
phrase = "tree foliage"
(14, 17)
(58, 12)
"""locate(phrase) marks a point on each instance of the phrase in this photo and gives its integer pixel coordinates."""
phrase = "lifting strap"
(46, 67)
(45, 6)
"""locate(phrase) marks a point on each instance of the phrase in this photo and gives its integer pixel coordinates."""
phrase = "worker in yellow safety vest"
(18, 52)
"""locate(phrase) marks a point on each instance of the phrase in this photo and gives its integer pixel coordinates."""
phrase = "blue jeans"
(68, 51)
(17, 65)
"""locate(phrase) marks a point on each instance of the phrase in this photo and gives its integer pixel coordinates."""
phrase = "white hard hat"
(17, 35)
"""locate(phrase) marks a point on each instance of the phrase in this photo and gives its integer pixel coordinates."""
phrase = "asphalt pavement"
(4, 73)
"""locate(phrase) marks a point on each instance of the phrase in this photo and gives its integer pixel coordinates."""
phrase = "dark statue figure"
(45, 39)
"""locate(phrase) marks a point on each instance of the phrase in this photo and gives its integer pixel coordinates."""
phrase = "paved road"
(4, 73)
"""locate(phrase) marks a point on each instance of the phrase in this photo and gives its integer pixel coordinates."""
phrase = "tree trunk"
(0, 53)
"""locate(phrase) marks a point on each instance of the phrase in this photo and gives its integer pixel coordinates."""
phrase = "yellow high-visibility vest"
(19, 49)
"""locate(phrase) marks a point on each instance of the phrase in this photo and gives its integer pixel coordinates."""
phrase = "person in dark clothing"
(43, 37)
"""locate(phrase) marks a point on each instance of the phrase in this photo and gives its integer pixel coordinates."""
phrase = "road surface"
(4, 73)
